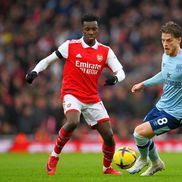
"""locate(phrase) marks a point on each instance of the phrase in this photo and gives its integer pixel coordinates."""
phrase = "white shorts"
(92, 112)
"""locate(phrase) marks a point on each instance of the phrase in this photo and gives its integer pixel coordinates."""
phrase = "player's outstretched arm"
(116, 67)
(137, 87)
(42, 65)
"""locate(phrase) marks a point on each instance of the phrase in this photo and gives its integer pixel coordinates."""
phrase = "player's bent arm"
(44, 63)
(116, 67)
(152, 81)
(156, 79)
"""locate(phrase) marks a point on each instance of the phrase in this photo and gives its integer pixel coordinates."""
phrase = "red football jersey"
(82, 70)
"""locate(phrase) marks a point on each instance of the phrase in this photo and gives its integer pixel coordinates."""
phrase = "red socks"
(108, 152)
(61, 140)
(63, 137)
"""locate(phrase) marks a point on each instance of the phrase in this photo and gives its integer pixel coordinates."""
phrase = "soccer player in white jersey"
(167, 113)
(85, 59)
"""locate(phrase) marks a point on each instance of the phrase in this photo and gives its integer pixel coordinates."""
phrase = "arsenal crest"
(99, 57)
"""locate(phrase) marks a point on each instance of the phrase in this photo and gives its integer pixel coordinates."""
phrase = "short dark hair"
(172, 28)
(89, 18)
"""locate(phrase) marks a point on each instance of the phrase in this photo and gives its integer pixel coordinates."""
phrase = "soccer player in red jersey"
(85, 59)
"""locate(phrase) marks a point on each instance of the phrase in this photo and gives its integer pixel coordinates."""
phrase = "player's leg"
(153, 153)
(157, 164)
(162, 124)
(72, 113)
(97, 117)
(65, 133)
(146, 147)
(108, 147)
(142, 135)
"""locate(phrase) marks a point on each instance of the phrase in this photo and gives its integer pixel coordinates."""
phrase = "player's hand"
(31, 76)
(111, 81)
(137, 87)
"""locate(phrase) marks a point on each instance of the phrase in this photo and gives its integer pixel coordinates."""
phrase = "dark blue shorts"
(161, 121)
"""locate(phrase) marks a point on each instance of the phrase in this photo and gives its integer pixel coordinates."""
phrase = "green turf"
(78, 168)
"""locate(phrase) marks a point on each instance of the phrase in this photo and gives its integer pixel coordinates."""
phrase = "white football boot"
(138, 166)
(154, 167)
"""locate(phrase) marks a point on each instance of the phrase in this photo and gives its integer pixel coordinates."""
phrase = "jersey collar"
(95, 46)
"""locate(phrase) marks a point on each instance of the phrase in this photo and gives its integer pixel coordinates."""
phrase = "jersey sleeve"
(156, 79)
(112, 61)
(63, 49)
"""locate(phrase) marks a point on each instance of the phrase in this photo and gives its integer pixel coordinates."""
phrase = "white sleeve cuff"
(120, 75)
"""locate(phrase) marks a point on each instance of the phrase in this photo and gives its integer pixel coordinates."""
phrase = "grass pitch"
(78, 168)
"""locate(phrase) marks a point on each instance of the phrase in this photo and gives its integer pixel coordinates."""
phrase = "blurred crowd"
(31, 30)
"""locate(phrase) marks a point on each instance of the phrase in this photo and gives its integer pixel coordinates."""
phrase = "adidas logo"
(78, 56)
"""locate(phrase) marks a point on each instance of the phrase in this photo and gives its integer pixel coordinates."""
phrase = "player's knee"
(72, 124)
(145, 130)
(140, 140)
(139, 130)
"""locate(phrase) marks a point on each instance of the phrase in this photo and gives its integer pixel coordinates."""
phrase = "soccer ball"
(124, 157)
